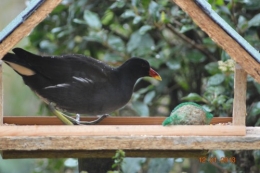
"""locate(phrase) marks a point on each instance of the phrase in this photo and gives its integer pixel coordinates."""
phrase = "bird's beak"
(154, 74)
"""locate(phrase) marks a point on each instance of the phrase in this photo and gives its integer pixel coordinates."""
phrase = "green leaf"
(219, 2)
(57, 29)
(217, 90)
(144, 29)
(255, 21)
(154, 8)
(163, 17)
(209, 44)
(225, 10)
(257, 123)
(111, 57)
(99, 37)
(116, 43)
(228, 105)
(60, 8)
(137, 19)
(128, 13)
(182, 82)
(108, 17)
(63, 33)
(78, 21)
(242, 23)
(149, 97)
(145, 3)
(257, 85)
(193, 97)
(134, 41)
(92, 19)
(141, 108)
(224, 56)
(156, 63)
(136, 95)
(212, 68)
(252, 4)
(219, 154)
(255, 109)
(144, 90)
(141, 44)
(221, 99)
(195, 56)
(118, 4)
(186, 28)
(122, 30)
(173, 64)
(216, 79)
(47, 45)
(207, 108)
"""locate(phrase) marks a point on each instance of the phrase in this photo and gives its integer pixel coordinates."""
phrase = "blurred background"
(192, 66)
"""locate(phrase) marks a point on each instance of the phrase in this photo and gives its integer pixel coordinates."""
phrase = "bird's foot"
(99, 119)
(74, 121)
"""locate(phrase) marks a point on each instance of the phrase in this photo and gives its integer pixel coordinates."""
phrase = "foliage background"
(160, 32)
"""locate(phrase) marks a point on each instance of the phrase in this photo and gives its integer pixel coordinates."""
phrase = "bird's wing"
(67, 68)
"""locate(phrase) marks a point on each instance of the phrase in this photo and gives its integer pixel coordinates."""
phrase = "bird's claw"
(100, 118)
(75, 121)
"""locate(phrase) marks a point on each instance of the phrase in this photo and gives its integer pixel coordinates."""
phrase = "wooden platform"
(139, 137)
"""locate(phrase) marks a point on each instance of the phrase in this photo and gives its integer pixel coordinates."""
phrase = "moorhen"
(77, 83)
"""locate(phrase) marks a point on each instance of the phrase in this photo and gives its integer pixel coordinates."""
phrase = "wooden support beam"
(51, 120)
(27, 26)
(14, 154)
(221, 37)
(1, 95)
(239, 104)
(84, 140)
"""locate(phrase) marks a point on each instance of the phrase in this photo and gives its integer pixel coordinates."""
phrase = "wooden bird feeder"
(45, 137)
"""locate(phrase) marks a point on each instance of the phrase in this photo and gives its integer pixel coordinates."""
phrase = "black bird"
(77, 83)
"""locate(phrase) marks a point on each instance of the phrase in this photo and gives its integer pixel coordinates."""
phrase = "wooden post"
(239, 104)
(1, 95)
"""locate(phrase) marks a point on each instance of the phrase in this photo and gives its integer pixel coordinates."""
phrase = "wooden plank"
(121, 130)
(251, 141)
(26, 27)
(1, 95)
(219, 36)
(51, 120)
(14, 154)
(239, 104)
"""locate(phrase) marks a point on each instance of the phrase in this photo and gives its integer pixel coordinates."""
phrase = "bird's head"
(138, 67)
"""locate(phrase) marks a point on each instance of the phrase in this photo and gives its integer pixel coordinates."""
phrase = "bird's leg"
(60, 115)
(71, 121)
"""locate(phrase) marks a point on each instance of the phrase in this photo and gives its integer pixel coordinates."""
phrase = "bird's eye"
(144, 65)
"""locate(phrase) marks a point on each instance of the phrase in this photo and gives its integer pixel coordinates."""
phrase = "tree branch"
(191, 42)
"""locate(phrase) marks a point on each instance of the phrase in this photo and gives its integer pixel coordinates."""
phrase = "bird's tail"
(18, 64)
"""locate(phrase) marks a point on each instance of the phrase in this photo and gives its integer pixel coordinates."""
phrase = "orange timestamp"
(214, 160)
